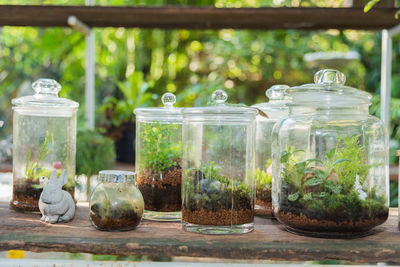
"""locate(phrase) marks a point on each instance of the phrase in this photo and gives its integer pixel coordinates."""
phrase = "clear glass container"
(116, 204)
(44, 138)
(159, 158)
(218, 168)
(330, 161)
(269, 113)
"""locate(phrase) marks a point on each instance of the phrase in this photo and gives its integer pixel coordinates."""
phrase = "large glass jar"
(44, 138)
(218, 168)
(330, 161)
(269, 114)
(159, 159)
(116, 204)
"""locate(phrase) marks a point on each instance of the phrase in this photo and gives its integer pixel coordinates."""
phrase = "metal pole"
(386, 73)
(90, 77)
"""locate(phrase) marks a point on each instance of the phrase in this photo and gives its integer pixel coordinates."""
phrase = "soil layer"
(26, 196)
(218, 218)
(263, 202)
(161, 191)
(118, 221)
(301, 221)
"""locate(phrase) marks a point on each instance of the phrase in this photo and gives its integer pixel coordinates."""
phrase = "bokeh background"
(134, 67)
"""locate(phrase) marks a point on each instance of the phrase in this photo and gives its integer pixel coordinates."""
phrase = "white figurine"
(55, 204)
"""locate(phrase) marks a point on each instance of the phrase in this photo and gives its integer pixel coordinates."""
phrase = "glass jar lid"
(328, 89)
(221, 108)
(277, 105)
(115, 176)
(46, 95)
(168, 112)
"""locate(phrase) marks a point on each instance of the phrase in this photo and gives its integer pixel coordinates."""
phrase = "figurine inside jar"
(116, 204)
(268, 115)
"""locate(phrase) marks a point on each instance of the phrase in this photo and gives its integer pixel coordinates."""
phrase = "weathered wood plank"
(172, 17)
(269, 241)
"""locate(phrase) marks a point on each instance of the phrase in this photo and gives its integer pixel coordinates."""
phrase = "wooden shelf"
(269, 240)
(174, 17)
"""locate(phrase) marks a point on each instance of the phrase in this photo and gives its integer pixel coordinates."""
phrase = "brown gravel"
(303, 222)
(263, 208)
(171, 177)
(217, 218)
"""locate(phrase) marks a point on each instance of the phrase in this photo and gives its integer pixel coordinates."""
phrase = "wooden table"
(268, 242)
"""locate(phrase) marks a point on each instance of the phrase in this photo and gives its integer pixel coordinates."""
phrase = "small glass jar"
(158, 159)
(269, 113)
(218, 168)
(44, 138)
(116, 204)
(330, 161)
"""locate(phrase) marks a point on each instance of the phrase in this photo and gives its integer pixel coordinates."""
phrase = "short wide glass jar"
(44, 138)
(269, 114)
(116, 204)
(158, 159)
(330, 161)
(218, 168)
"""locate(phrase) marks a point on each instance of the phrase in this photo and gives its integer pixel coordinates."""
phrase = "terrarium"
(330, 161)
(218, 168)
(159, 159)
(44, 137)
(269, 114)
(116, 204)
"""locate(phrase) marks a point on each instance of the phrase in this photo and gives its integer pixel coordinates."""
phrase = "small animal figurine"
(55, 204)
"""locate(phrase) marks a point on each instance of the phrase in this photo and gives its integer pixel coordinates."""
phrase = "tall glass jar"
(116, 204)
(159, 159)
(218, 168)
(330, 161)
(269, 114)
(44, 138)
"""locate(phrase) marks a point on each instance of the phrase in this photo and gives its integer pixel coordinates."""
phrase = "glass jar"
(218, 168)
(158, 159)
(44, 138)
(269, 113)
(330, 161)
(116, 204)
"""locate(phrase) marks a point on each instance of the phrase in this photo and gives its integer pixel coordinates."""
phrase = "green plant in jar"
(263, 184)
(158, 159)
(331, 193)
(214, 199)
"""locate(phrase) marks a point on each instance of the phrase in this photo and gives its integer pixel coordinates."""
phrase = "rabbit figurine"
(55, 204)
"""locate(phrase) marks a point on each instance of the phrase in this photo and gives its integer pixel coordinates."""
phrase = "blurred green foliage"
(189, 63)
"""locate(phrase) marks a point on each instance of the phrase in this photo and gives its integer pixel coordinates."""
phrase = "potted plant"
(263, 184)
(330, 195)
(118, 110)
(158, 166)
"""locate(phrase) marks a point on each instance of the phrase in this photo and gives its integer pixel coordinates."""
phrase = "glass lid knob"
(46, 87)
(277, 91)
(329, 77)
(219, 96)
(168, 99)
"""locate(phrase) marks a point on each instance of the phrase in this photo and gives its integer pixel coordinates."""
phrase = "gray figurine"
(55, 204)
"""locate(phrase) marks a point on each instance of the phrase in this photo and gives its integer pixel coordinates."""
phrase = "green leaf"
(331, 153)
(294, 197)
(315, 160)
(285, 157)
(370, 5)
(314, 181)
(339, 161)
(308, 196)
